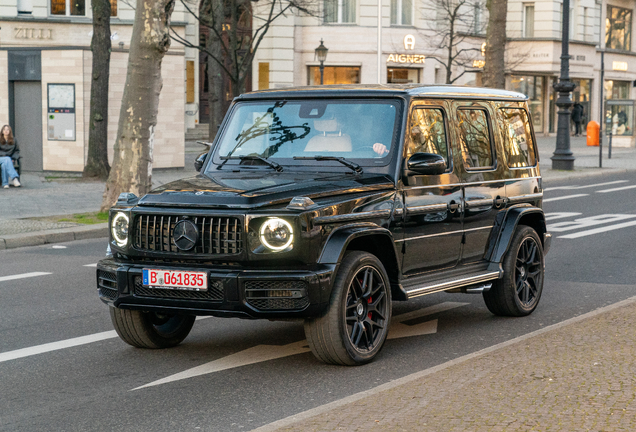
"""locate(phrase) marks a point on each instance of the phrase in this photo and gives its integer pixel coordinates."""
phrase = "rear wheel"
(519, 291)
(150, 329)
(355, 327)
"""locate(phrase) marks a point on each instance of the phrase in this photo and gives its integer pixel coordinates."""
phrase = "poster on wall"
(61, 112)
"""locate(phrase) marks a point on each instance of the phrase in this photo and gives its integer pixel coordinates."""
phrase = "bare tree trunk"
(494, 69)
(215, 86)
(132, 165)
(97, 162)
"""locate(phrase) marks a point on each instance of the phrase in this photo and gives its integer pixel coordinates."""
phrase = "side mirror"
(426, 163)
(199, 161)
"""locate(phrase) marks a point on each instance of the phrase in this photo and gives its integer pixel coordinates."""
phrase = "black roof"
(387, 90)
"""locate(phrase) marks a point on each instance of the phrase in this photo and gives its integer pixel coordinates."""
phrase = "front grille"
(107, 284)
(276, 294)
(217, 235)
(214, 291)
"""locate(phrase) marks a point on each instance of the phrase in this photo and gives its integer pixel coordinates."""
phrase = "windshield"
(283, 130)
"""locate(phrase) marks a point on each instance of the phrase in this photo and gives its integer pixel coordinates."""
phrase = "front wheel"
(356, 324)
(519, 291)
(143, 329)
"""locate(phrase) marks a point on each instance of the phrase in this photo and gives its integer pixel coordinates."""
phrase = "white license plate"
(175, 279)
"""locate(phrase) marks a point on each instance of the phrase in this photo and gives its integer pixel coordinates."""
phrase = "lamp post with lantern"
(563, 159)
(321, 55)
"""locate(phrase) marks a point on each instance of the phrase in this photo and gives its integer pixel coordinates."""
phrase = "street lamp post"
(562, 159)
(321, 55)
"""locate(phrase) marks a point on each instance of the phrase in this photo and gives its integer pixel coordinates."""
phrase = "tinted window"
(518, 143)
(360, 130)
(427, 133)
(474, 138)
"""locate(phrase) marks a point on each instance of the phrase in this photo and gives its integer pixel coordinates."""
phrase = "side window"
(474, 138)
(427, 133)
(518, 143)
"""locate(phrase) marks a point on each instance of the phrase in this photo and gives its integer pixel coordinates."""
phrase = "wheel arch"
(506, 224)
(372, 239)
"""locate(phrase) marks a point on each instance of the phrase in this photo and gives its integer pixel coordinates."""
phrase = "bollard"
(592, 133)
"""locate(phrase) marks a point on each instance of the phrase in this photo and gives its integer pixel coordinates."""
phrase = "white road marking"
(583, 187)
(261, 353)
(90, 265)
(588, 222)
(553, 216)
(289, 422)
(58, 247)
(564, 197)
(23, 276)
(617, 189)
(598, 230)
(54, 346)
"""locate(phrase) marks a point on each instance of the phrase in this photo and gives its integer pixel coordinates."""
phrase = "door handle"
(500, 202)
(453, 206)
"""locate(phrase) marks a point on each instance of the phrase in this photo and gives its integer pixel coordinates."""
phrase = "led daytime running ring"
(120, 241)
(276, 248)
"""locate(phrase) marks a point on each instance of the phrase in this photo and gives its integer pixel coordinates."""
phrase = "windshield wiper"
(354, 166)
(272, 164)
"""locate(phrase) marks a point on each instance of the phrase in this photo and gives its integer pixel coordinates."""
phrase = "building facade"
(45, 79)
(412, 50)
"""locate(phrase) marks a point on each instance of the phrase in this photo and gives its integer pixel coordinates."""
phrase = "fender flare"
(505, 226)
(337, 243)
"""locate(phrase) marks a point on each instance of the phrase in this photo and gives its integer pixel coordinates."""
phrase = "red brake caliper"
(369, 302)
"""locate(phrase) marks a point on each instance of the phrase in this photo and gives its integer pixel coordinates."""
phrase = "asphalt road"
(63, 368)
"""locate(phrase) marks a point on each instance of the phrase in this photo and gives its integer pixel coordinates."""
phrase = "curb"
(579, 173)
(61, 235)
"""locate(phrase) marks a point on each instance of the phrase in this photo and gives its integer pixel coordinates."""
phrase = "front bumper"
(231, 293)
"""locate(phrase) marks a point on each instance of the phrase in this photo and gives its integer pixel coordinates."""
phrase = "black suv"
(329, 203)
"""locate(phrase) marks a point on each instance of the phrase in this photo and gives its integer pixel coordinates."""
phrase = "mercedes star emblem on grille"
(185, 235)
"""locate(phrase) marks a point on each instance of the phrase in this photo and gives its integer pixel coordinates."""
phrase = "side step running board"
(447, 285)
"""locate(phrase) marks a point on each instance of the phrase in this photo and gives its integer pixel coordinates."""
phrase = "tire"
(354, 328)
(150, 329)
(519, 291)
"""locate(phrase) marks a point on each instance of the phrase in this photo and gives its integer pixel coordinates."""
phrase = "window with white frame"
(340, 11)
(528, 20)
(402, 12)
(76, 7)
(618, 28)
(477, 27)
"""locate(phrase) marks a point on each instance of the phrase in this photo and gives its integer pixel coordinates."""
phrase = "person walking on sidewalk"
(577, 117)
(9, 151)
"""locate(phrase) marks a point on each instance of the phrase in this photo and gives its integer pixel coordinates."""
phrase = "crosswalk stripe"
(598, 230)
(564, 197)
(23, 276)
(617, 189)
(583, 187)
(90, 265)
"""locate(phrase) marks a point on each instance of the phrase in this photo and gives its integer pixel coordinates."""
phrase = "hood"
(249, 190)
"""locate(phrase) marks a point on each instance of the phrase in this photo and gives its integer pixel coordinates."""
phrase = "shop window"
(402, 75)
(340, 11)
(113, 8)
(263, 75)
(335, 75)
(474, 138)
(617, 89)
(528, 20)
(401, 12)
(620, 114)
(518, 144)
(477, 26)
(618, 28)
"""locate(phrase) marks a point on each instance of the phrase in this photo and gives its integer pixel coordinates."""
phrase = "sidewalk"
(577, 375)
(52, 194)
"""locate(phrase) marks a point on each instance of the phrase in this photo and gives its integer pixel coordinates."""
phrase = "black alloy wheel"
(355, 326)
(528, 272)
(366, 310)
(518, 292)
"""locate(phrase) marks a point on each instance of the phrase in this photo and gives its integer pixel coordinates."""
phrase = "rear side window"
(427, 133)
(474, 135)
(518, 143)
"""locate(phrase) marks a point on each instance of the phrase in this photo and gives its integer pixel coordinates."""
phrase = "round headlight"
(119, 229)
(276, 234)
